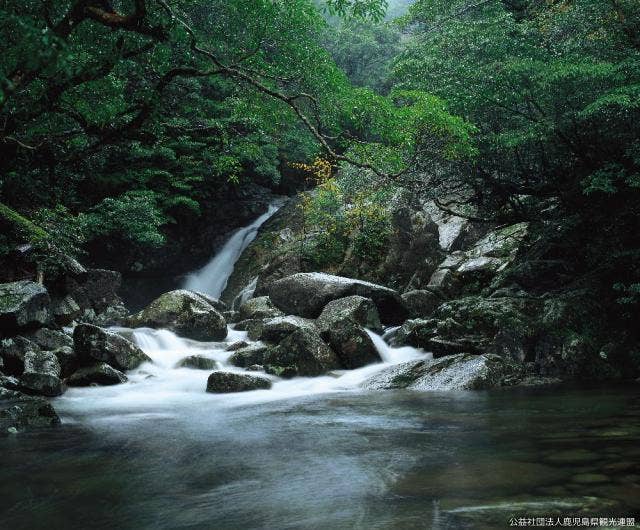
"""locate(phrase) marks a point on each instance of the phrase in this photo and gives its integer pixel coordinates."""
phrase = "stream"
(159, 452)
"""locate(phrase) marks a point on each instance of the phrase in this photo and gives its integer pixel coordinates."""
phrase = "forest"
(445, 190)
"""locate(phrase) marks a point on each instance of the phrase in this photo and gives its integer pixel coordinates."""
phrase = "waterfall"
(213, 277)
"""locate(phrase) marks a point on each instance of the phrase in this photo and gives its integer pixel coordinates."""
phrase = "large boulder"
(302, 353)
(19, 411)
(260, 307)
(351, 343)
(23, 305)
(278, 328)
(187, 313)
(65, 310)
(249, 356)
(457, 372)
(421, 303)
(92, 343)
(198, 362)
(41, 374)
(227, 382)
(97, 374)
(306, 295)
(13, 352)
(356, 308)
(51, 339)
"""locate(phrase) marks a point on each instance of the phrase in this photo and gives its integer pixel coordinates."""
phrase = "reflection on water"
(345, 460)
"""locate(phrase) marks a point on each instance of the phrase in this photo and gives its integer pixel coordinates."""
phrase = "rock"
(227, 382)
(306, 295)
(255, 368)
(96, 290)
(92, 343)
(68, 360)
(237, 345)
(8, 382)
(351, 343)
(50, 339)
(198, 362)
(244, 325)
(250, 355)
(97, 374)
(278, 328)
(440, 347)
(257, 308)
(359, 309)
(421, 303)
(455, 372)
(41, 374)
(65, 310)
(19, 412)
(188, 314)
(416, 333)
(231, 316)
(13, 352)
(23, 305)
(302, 353)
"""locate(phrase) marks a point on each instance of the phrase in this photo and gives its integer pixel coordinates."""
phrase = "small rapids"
(162, 389)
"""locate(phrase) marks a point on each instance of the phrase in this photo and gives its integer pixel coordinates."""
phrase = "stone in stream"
(351, 343)
(302, 353)
(198, 362)
(227, 382)
(51, 339)
(260, 307)
(19, 412)
(421, 303)
(359, 309)
(41, 374)
(13, 352)
(98, 374)
(250, 355)
(307, 293)
(456, 372)
(92, 343)
(24, 305)
(278, 328)
(187, 313)
(237, 345)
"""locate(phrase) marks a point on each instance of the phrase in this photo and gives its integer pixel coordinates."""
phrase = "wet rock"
(244, 325)
(455, 372)
(416, 333)
(258, 308)
(302, 353)
(227, 382)
(13, 352)
(41, 374)
(50, 339)
(590, 478)
(68, 360)
(250, 355)
(278, 328)
(96, 289)
(191, 315)
(231, 316)
(351, 343)
(8, 382)
(358, 309)
(23, 305)
(237, 345)
(421, 303)
(198, 362)
(65, 310)
(98, 374)
(255, 368)
(92, 343)
(19, 412)
(306, 295)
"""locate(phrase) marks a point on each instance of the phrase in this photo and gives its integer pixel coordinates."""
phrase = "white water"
(212, 278)
(160, 390)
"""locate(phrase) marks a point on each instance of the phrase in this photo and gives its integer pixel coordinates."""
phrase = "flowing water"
(212, 278)
(316, 453)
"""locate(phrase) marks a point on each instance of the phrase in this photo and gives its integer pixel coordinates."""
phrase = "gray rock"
(23, 305)
(302, 353)
(92, 343)
(421, 303)
(257, 308)
(198, 362)
(41, 374)
(65, 310)
(351, 343)
(237, 345)
(455, 372)
(231, 316)
(97, 374)
(13, 352)
(359, 309)
(50, 339)
(19, 412)
(68, 360)
(278, 328)
(244, 325)
(227, 382)
(187, 313)
(250, 355)
(306, 295)
(417, 333)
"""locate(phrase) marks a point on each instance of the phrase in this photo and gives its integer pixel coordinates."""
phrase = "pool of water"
(393, 459)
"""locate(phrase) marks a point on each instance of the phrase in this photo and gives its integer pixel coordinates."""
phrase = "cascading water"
(212, 278)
